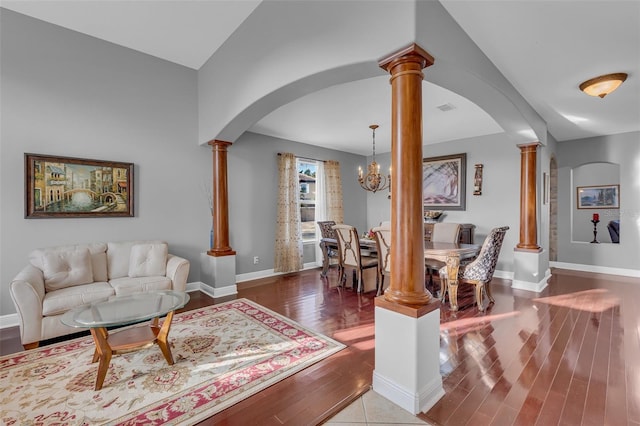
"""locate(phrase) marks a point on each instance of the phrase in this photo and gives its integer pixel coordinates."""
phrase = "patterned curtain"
(321, 207)
(333, 191)
(288, 244)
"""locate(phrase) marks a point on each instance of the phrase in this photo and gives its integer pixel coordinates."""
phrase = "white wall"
(67, 94)
(622, 149)
(253, 195)
(499, 204)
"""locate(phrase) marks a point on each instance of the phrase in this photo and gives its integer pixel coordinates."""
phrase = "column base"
(227, 251)
(531, 270)
(407, 363)
(218, 274)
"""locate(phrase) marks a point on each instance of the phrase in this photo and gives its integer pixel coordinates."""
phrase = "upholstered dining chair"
(479, 272)
(443, 232)
(383, 245)
(329, 251)
(350, 255)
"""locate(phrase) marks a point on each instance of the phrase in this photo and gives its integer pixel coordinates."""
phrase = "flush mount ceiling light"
(603, 85)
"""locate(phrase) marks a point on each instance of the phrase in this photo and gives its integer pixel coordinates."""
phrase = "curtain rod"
(306, 158)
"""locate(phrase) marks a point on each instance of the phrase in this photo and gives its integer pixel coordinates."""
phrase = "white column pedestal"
(218, 274)
(407, 360)
(530, 270)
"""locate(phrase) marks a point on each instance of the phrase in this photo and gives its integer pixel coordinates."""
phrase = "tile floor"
(373, 409)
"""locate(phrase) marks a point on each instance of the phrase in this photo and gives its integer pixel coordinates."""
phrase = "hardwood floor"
(567, 356)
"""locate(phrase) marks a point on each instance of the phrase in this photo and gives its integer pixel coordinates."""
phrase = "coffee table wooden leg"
(162, 336)
(105, 334)
(103, 353)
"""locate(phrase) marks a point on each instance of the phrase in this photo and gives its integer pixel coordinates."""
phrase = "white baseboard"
(10, 320)
(228, 290)
(268, 273)
(597, 269)
(413, 403)
(507, 275)
(529, 286)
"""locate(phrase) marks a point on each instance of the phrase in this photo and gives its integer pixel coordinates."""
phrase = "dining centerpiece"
(432, 216)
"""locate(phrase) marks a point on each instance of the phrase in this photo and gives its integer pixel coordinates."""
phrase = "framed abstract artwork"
(444, 181)
(65, 187)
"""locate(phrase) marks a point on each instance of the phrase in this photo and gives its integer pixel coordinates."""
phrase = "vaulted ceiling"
(545, 49)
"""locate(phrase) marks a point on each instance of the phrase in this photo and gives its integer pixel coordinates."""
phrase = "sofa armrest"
(178, 271)
(27, 292)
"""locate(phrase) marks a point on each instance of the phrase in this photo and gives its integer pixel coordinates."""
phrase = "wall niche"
(589, 175)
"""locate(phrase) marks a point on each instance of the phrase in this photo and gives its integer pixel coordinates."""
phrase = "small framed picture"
(598, 197)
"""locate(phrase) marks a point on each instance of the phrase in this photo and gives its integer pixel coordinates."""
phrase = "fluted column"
(407, 224)
(528, 207)
(220, 201)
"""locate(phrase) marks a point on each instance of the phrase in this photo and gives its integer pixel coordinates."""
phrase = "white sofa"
(63, 277)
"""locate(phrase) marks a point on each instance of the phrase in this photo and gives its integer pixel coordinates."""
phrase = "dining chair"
(614, 230)
(383, 245)
(350, 255)
(479, 272)
(443, 232)
(330, 251)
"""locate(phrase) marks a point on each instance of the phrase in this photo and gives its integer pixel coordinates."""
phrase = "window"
(307, 192)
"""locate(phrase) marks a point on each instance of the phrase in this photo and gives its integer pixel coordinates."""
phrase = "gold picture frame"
(598, 197)
(67, 187)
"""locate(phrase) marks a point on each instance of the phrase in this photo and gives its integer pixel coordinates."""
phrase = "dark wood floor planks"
(567, 356)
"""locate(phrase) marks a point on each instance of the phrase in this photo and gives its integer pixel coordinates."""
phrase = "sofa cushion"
(147, 260)
(59, 301)
(123, 286)
(118, 254)
(66, 268)
(98, 257)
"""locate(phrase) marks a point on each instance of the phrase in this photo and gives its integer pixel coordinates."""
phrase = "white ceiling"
(544, 48)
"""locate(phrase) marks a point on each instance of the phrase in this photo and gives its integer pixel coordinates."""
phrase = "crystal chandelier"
(373, 181)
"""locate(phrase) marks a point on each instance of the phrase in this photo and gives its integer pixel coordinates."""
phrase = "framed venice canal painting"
(65, 187)
(443, 182)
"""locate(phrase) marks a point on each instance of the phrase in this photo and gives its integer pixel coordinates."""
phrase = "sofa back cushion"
(118, 255)
(148, 260)
(66, 268)
(98, 257)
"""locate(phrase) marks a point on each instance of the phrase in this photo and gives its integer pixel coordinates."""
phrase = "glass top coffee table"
(119, 311)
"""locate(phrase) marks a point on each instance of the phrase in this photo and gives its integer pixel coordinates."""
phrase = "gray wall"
(499, 204)
(67, 94)
(253, 194)
(622, 149)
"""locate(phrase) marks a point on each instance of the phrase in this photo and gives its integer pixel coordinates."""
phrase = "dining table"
(449, 253)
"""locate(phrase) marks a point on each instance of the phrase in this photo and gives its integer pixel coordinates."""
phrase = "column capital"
(216, 143)
(413, 52)
(529, 146)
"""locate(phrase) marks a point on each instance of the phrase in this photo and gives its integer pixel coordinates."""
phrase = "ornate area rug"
(223, 354)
